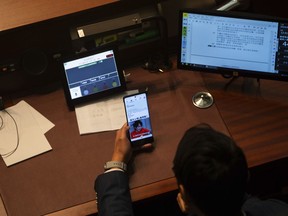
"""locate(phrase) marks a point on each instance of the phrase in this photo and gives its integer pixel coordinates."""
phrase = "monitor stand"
(248, 85)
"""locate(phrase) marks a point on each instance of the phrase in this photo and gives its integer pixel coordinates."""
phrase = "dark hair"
(136, 123)
(212, 169)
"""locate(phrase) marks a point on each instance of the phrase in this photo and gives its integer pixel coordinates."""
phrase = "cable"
(2, 122)
(17, 133)
(1, 103)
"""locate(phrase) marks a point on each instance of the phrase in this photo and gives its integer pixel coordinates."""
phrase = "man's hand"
(122, 147)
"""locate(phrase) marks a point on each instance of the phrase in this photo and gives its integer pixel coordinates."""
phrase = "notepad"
(104, 115)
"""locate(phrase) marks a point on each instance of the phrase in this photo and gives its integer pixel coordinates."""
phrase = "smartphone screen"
(138, 118)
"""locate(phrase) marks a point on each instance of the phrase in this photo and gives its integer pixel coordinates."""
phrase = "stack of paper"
(104, 115)
(22, 133)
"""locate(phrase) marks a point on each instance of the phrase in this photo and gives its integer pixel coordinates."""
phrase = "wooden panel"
(18, 13)
(273, 8)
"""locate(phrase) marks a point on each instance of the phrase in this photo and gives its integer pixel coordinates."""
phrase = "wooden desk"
(60, 182)
(19, 13)
(256, 115)
(64, 177)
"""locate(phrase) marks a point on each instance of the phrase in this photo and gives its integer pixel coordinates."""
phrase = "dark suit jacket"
(269, 207)
(113, 194)
(114, 199)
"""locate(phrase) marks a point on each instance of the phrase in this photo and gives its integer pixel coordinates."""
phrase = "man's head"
(211, 171)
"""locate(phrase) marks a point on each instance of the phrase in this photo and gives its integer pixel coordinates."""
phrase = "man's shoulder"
(254, 206)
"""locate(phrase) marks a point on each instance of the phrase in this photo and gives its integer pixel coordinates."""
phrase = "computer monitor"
(233, 43)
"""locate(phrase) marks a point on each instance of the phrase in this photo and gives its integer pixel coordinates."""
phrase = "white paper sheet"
(31, 129)
(103, 115)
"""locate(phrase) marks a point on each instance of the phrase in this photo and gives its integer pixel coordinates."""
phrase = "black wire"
(2, 122)
(17, 133)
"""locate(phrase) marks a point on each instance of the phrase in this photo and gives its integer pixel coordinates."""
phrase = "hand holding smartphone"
(138, 118)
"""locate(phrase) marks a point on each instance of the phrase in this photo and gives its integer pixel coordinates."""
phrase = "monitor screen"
(92, 75)
(233, 43)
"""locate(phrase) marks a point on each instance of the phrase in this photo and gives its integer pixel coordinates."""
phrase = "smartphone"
(138, 118)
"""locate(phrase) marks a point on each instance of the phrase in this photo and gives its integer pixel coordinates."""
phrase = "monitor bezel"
(99, 95)
(228, 72)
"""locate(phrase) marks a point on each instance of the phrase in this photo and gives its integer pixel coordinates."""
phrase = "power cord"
(1, 103)
(2, 125)
(1, 108)
(2, 122)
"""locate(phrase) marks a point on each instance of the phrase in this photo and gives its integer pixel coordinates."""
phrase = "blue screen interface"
(92, 74)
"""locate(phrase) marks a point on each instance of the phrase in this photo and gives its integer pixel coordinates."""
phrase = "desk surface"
(18, 13)
(60, 182)
(256, 115)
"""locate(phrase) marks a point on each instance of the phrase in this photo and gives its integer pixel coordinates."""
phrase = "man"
(112, 187)
(211, 171)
